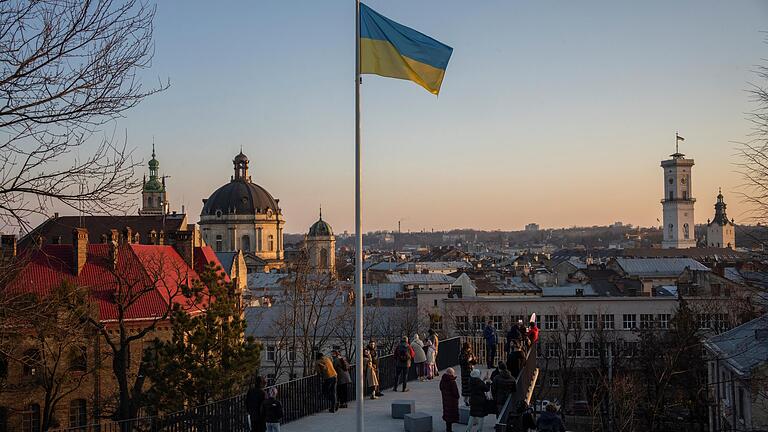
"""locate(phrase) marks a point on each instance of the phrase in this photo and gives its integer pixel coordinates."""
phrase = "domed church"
(242, 215)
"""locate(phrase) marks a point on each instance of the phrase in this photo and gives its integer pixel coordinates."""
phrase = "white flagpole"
(360, 369)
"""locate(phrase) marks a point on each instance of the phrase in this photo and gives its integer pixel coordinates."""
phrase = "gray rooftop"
(740, 346)
(658, 266)
(420, 278)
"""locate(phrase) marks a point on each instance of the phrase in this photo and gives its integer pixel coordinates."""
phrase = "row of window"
(77, 361)
(589, 349)
(30, 418)
(245, 243)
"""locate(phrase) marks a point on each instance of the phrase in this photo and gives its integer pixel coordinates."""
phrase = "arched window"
(219, 243)
(30, 362)
(671, 229)
(30, 419)
(78, 359)
(245, 243)
(149, 201)
(686, 234)
(270, 243)
(323, 258)
(78, 414)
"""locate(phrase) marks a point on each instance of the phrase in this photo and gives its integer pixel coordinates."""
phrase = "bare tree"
(55, 345)
(68, 68)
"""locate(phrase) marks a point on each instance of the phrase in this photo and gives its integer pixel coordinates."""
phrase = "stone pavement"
(378, 413)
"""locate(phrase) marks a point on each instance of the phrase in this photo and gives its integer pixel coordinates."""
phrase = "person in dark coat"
(450, 393)
(515, 361)
(343, 380)
(404, 355)
(478, 402)
(253, 401)
(272, 411)
(549, 421)
(491, 339)
(503, 385)
(467, 361)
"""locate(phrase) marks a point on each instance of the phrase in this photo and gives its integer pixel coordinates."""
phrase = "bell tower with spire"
(678, 201)
(721, 232)
(153, 197)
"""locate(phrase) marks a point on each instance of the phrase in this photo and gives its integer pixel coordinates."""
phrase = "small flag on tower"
(679, 138)
(393, 50)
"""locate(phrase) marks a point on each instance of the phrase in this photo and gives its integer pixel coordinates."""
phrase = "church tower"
(321, 247)
(720, 231)
(678, 202)
(153, 199)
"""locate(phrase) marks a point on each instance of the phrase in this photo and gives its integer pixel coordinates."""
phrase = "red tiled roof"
(153, 273)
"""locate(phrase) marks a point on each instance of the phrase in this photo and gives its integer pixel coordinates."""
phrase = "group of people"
(519, 339)
(336, 381)
(264, 410)
(421, 354)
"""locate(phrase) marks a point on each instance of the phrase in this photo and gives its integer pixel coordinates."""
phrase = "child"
(272, 410)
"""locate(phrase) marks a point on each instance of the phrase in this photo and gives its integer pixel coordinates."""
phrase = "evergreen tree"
(208, 356)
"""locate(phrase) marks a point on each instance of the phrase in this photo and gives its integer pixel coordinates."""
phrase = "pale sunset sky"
(555, 112)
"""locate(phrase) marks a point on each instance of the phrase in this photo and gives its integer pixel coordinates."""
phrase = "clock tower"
(678, 203)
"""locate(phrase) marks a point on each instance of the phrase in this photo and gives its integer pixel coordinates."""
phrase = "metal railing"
(300, 398)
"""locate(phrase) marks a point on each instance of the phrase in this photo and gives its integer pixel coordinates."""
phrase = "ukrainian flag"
(393, 50)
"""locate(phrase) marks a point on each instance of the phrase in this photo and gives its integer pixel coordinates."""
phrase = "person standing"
(513, 337)
(371, 375)
(403, 357)
(419, 357)
(324, 368)
(491, 339)
(450, 393)
(431, 367)
(375, 362)
(515, 360)
(478, 402)
(432, 337)
(467, 362)
(272, 411)
(502, 386)
(253, 401)
(341, 365)
(533, 333)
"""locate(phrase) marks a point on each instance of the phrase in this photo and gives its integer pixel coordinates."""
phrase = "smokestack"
(79, 249)
(184, 245)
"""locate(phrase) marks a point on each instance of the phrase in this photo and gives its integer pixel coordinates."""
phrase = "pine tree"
(208, 356)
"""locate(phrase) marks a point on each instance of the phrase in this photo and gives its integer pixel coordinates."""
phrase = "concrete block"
(418, 422)
(402, 407)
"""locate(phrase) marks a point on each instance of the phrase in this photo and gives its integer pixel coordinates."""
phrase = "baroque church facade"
(243, 216)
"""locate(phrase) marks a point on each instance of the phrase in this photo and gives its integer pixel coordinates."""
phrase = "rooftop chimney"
(184, 245)
(8, 243)
(114, 238)
(152, 237)
(79, 249)
(128, 234)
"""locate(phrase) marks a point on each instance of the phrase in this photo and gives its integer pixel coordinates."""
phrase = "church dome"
(320, 228)
(240, 195)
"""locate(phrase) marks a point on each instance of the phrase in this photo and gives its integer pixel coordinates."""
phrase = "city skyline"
(581, 148)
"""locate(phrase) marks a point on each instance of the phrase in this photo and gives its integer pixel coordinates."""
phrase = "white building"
(678, 203)
(721, 232)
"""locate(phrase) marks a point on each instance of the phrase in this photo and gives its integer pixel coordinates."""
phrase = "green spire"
(153, 184)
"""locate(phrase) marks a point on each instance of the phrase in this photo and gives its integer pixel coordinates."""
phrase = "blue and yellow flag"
(393, 50)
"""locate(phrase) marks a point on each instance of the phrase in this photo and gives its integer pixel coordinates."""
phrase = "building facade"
(321, 247)
(721, 232)
(678, 203)
(242, 215)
